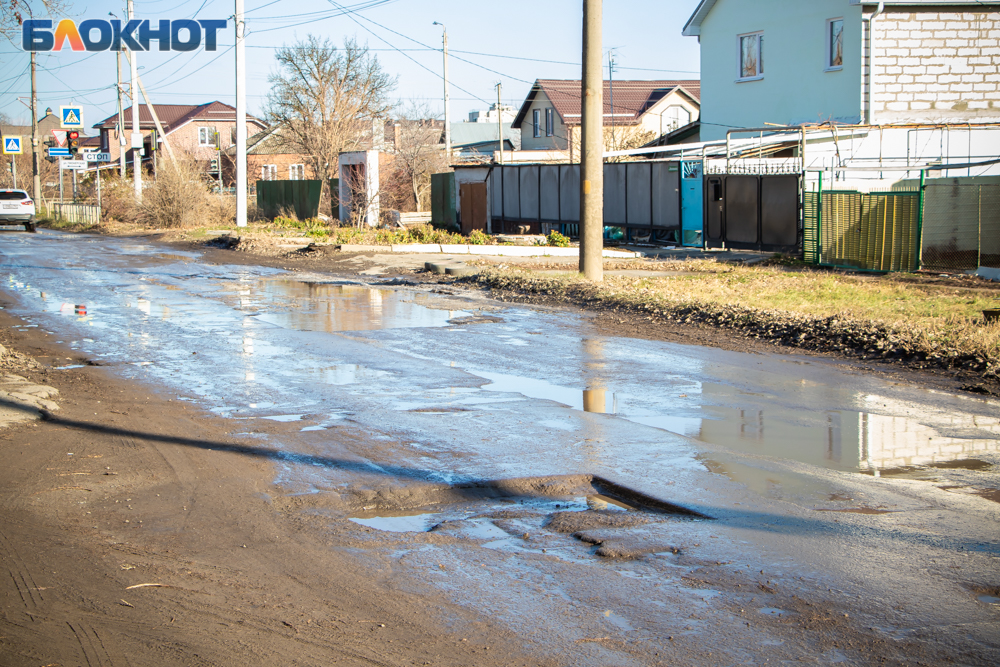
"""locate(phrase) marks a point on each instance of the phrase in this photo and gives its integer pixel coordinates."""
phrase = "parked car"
(16, 208)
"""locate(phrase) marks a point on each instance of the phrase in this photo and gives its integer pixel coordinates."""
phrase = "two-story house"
(550, 117)
(189, 128)
(847, 61)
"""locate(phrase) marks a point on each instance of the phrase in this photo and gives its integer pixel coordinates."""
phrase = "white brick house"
(849, 61)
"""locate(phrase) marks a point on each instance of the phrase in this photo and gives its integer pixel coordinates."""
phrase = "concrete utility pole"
(447, 105)
(500, 121)
(136, 151)
(121, 122)
(592, 147)
(241, 118)
(36, 181)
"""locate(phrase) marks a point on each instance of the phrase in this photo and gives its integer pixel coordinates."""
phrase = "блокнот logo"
(113, 35)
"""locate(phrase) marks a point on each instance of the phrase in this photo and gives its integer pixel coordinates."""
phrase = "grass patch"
(872, 316)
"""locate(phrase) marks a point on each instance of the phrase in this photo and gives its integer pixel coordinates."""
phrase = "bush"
(558, 240)
(179, 197)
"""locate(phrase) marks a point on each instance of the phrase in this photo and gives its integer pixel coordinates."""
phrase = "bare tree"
(418, 152)
(325, 99)
(14, 12)
(625, 138)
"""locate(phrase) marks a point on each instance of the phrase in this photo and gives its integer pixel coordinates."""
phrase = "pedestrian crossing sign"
(71, 118)
(12, 146)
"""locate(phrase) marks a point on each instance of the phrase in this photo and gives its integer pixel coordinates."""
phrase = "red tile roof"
(629, 97)
(173, 116)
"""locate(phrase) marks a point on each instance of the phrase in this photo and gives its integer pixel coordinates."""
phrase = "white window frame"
(550, 122)
(759, 34)
(296, 172)
(269, 172)
(828, 58)
(206, 136)
(536, 123)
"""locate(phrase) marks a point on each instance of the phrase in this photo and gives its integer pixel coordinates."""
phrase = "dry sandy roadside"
(129, 535)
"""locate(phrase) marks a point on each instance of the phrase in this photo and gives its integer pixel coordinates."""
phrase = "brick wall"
(936, 66)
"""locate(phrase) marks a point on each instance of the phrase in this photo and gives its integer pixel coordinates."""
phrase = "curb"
(488, 250)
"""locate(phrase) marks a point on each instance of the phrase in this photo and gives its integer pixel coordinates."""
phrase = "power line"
(419, 64)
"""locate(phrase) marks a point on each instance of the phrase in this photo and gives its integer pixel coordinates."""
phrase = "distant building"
(190, 128)
(550, 117)
(505, 112)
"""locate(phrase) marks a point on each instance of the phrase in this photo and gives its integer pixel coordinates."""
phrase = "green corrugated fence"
(281, 197)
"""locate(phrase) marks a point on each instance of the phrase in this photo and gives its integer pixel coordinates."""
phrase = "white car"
(16, 208)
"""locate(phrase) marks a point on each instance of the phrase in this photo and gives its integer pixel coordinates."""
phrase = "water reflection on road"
(419, 366)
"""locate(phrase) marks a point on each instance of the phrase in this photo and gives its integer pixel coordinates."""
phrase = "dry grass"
(930, 320)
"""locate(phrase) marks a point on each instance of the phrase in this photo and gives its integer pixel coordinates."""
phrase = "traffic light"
(214, 167)
(51, 143)
(218, 141)
(152, 140)
(73, 141)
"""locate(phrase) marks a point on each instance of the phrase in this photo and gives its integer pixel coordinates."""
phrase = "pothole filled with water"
(568, 517)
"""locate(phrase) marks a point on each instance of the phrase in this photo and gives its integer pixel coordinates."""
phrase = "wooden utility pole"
(592, 147)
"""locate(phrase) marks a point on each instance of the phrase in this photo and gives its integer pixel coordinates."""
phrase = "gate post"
(920, 221)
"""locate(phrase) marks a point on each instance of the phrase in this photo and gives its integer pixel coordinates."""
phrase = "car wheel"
(30, 227)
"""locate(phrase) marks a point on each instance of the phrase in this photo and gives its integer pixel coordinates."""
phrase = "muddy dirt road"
(314, 468)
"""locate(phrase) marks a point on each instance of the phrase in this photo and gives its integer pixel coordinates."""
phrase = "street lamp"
(447, 111)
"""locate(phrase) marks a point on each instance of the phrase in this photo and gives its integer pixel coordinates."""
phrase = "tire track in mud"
(29, 592)
(95, 653)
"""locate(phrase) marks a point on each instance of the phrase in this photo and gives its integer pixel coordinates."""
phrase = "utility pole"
(136, 150)
(241, 118)
(36, 181)
(447, 105)
(611, 95)
(592, 147)
(121, 122)
(500, 121)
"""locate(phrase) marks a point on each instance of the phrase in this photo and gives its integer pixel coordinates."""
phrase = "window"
(269, 172)
(751, 65)
(206, 136)
(550, 122)
(536, 123)
(835, 44)
(296, 172)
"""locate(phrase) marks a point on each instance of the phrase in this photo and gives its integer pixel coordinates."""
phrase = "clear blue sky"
(646, 36)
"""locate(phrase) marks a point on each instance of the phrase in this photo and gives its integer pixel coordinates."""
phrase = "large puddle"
(525, 393)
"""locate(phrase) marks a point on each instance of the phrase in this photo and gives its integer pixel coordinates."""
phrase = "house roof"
(693, 26)
(631, 98)
(473, 134)
(173, 116)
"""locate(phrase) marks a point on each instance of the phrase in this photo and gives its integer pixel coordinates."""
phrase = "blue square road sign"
(71, 118)
(12, 146)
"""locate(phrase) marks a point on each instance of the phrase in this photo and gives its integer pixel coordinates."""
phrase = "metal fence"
(77, 213)
(637, 195)
(877, 231)
(279, 197)
(961, 228)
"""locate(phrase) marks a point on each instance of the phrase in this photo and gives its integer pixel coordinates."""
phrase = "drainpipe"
(868, 65)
